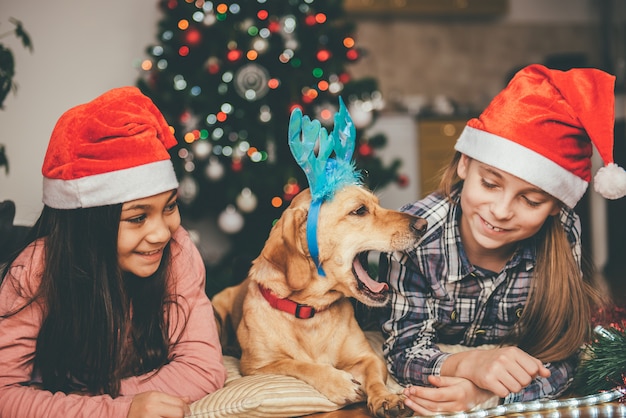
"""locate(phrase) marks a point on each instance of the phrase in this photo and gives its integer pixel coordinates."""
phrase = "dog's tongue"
(371, 284)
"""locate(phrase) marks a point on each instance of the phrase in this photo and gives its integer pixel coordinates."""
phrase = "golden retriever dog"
(319, 341)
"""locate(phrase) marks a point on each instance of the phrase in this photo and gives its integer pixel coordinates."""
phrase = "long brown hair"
(557, 318)
(86, 341)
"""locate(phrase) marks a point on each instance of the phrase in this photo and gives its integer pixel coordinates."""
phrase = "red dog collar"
(287, 305)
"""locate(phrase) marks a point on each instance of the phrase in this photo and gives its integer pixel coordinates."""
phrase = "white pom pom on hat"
(542, 128)
(610, 181)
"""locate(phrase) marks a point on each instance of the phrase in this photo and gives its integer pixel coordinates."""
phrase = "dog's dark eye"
(362, 210)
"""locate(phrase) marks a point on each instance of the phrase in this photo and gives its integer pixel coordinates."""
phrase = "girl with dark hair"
(103, 312)
(496, 301)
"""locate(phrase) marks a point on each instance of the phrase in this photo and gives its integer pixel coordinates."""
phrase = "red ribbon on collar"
(298, 310)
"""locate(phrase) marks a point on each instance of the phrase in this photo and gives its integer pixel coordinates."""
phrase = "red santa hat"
(110, 150)
(541, 128)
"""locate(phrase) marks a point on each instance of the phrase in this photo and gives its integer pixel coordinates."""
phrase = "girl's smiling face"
(499, 209)
(146, 226)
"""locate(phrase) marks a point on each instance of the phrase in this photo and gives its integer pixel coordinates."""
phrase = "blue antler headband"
(327, 171)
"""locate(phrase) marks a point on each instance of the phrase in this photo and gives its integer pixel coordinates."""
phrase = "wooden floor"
(352, 411)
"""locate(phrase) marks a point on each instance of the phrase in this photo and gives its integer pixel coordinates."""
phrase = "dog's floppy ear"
(284, 249)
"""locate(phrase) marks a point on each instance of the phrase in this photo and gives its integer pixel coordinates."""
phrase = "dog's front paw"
(388, 406)
(340, 387)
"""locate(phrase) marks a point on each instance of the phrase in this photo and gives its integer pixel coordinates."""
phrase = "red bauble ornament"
(273, 26)
(234, 55)
(213, 65)
(236, 166)
(365, 150)
(402, 180)
(323, 55)
(213, 68)
(344, 77)
(184, 117)
(193, 37)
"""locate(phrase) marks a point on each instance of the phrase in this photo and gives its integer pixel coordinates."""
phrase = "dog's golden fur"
(328, 351)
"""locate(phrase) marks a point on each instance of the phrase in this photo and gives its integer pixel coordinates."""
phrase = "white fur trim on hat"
(522, 162)
(110, 188)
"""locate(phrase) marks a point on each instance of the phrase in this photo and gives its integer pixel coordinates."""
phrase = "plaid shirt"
(440, 297)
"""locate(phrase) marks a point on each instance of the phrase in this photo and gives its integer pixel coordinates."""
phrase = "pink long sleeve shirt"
(196, 367)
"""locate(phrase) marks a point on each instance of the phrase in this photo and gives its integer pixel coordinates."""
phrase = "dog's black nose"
(419, 226)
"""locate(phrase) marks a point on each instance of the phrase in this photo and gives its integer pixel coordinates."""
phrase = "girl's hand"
(500, 370)
(450, 394)
(158, 405)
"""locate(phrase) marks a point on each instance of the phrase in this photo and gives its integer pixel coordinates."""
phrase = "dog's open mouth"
(369, 287)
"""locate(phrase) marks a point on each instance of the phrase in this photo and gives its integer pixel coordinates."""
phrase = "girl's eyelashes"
(532, 203)
(171, 206)
(487, 184)
(136, 219)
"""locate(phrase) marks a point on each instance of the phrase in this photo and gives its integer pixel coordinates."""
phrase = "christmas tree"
(227, 75)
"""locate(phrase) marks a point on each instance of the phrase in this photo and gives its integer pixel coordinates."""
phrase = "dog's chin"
(368, 291)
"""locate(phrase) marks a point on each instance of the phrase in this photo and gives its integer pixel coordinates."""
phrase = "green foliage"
(604, 365)
(7, 62)
(7, 72)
